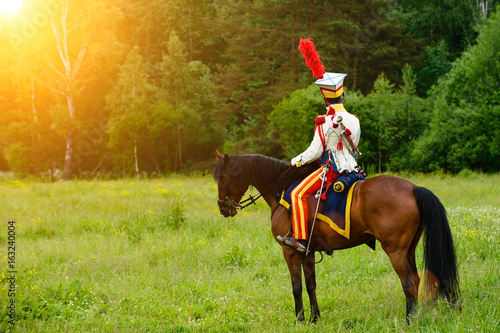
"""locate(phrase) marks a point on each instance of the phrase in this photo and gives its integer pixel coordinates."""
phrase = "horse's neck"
(266, 186)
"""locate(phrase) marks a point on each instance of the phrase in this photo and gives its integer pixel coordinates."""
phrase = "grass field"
(155, 256)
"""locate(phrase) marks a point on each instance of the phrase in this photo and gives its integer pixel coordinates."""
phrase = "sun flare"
(10, 6)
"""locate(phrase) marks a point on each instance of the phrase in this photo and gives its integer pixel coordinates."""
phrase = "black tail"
(439, 252)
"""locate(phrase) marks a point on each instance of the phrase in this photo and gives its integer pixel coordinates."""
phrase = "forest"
(140, 88)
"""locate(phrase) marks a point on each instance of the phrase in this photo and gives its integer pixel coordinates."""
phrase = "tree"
(41, 79)
(443, 29)
(210, 73)
(391, 119)
(292, 120)
(436, 64)
(186, 93)
(30, 143)
(130, 103)
(368, 40)
(70, 85)
(465, 122)
(383, 103)
(354, 38)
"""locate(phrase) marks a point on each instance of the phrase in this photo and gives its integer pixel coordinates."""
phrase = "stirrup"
(291, 242)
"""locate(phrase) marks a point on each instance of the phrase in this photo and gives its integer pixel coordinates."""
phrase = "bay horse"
(386, 208)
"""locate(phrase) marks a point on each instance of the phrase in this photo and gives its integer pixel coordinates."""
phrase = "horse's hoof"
(314, 317)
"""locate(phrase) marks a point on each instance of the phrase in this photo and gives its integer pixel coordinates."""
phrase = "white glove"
(297, 161)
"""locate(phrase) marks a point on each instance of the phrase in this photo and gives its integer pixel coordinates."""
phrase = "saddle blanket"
(335, 210)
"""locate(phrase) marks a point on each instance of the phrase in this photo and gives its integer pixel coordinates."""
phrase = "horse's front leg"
(294, 262)
(309, 266)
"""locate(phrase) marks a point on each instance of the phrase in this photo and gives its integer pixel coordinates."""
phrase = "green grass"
(155, 256)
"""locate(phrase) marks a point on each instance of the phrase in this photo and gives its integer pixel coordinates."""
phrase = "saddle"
(335, 210)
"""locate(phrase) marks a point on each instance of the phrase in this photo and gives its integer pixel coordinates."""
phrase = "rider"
(331, 145)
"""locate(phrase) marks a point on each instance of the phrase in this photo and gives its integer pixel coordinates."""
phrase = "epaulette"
(319, 120)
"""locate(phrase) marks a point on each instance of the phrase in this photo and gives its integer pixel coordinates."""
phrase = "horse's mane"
(254, 169)
(292, 174)
(265, 171)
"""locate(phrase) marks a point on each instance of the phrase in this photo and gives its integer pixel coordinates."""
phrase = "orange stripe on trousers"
(299, 195)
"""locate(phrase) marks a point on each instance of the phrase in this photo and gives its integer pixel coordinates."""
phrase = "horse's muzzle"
(227, 207)
(229, 212)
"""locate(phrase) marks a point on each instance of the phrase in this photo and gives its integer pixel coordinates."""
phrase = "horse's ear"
(226, 160)
(218, 155)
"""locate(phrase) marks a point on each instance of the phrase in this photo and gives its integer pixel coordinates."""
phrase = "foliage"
(208, 74)
(455, 128)
(353, 38)
(400, 117)
(130, 102)
(290, 115)
(465, 122)
(444, 29)
(436, 65)
(390, 119)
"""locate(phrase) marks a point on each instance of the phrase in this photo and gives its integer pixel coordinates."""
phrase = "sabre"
(348, 137)
(317, 196)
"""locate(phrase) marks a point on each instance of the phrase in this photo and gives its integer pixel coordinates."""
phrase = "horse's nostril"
(224, 213)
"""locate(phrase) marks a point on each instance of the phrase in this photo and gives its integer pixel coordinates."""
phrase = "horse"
(386, 208)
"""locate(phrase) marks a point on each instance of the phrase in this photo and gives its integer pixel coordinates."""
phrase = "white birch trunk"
(69, 83)
(136, 160)
(179, 146)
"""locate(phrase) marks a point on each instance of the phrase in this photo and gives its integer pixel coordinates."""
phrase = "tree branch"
(54, 89)
(55, 70)
(79, 59)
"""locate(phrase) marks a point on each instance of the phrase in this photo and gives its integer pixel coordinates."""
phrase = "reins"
(230, 203)
(240, 205)
(251, 199)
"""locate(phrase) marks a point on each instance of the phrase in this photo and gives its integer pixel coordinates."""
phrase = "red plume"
(311, 56)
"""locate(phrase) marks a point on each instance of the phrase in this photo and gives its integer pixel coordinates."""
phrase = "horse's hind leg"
(414, 281)
(309, 266)
(408, 275)
(411, 284)
(294, 262)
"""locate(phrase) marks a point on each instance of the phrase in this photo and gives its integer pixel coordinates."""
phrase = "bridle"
(229, 203)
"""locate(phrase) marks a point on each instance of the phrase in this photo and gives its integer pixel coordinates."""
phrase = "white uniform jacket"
(339, 159)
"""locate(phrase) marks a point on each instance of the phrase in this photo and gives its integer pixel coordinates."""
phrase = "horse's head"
(228, 175)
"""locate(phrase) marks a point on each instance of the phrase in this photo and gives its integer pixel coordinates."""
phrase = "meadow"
(154, 255)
